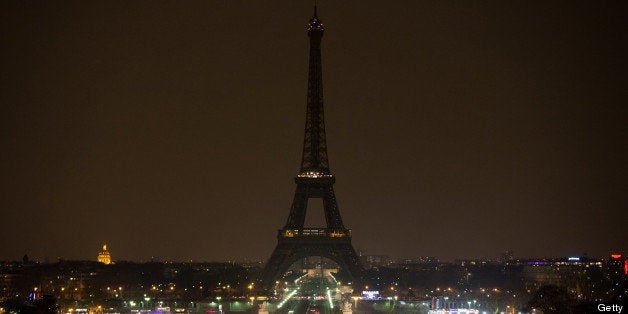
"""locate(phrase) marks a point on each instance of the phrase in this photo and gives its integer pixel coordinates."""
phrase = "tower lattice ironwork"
(314, 180)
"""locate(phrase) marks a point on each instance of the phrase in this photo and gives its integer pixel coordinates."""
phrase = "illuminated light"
(104, 256)
(626, 267)
(334, 278)
(336, 235)
(313, 174)
(370, 295)
(296, 281)
(616, 256)
(331, 304)
(573, 259)
(290, 295)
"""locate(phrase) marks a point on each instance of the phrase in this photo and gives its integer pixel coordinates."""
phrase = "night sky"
(174, 129)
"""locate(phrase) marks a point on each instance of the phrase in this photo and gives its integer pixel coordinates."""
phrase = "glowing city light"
(331, 304)
(290, 295)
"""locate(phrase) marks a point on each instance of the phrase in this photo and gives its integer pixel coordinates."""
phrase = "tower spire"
(314, 161)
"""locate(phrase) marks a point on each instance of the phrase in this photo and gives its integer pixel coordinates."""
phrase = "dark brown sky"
(173, 129)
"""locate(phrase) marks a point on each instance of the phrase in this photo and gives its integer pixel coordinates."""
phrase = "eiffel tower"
(314, 180)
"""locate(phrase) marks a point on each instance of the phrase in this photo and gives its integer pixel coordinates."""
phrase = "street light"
(355, 301)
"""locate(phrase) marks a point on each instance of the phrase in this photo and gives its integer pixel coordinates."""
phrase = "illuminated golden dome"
(103, 256)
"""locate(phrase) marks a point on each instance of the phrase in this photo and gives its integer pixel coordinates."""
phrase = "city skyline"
(174, 130)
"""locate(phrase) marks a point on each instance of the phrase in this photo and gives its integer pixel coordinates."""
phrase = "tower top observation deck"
(315, 24)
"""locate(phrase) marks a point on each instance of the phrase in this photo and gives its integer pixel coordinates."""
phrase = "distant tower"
(103, 256)
(314, 180)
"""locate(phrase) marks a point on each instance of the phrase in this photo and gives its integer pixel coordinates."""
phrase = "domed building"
(103, 256)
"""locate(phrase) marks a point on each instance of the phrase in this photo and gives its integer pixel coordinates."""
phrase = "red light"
(626, 267)
(616, 256)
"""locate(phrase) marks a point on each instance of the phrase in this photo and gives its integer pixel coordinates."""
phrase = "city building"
(104, 256)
